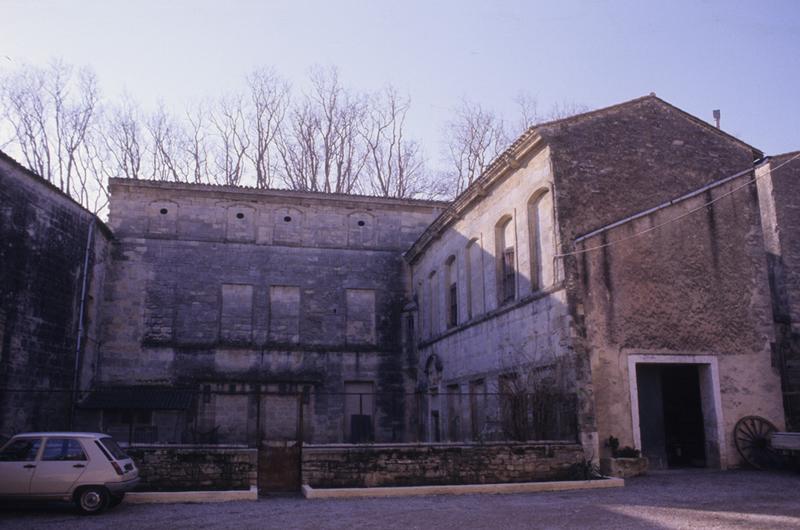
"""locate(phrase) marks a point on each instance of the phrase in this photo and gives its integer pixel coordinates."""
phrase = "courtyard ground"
(673, 499)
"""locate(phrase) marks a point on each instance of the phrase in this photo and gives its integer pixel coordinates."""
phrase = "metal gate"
(278, 467)
(280, 427)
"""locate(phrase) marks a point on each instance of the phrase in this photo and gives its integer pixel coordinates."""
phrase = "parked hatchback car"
(89, 469)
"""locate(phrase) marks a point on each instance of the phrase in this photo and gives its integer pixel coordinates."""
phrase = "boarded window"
(360, 229)
(284, 314)
(236, 315)
(360, 316)
(359, 410)
(288, 226)
(240, 223)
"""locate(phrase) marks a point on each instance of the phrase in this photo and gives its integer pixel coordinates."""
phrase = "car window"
(22, 450)
(63, 449)
(113, 448)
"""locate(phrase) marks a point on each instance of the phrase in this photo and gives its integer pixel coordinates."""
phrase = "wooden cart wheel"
(752, 435)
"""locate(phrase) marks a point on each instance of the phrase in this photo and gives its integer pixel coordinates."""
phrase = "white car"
(87, 468)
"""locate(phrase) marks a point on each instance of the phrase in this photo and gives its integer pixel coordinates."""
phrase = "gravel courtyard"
(675, 499)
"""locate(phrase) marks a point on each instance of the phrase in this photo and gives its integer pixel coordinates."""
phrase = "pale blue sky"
(740, 56)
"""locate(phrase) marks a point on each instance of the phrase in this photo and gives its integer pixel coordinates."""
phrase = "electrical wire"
(677, 218)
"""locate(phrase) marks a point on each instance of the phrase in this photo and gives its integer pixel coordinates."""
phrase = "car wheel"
(91, 500)
(114, 500)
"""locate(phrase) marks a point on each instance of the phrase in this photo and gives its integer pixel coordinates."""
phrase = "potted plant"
(625, 462)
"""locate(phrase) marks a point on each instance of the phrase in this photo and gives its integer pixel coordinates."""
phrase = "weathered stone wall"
(434, 464)
(194, 468)
(694, 287)
(250, 289)
(779, 197)
(491, 338)
(44, 237)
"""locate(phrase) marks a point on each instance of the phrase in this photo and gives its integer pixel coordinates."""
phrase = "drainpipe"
(79, 342)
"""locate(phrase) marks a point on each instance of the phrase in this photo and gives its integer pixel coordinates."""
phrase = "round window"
(287, 219)
(361, 223)
(240, 215)
(163, 211)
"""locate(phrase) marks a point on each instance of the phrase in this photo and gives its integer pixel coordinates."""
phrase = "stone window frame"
(506, 261)
(536, 251)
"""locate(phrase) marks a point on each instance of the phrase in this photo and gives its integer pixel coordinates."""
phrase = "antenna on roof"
(716, 117)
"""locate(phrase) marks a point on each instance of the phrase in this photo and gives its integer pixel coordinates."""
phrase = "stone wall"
(349, 466)
(194, 468)
(693, 291)
(44, 239)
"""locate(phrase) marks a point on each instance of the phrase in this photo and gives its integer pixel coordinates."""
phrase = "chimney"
(716, 117)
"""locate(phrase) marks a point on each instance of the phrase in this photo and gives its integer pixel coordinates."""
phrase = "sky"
(742, 57)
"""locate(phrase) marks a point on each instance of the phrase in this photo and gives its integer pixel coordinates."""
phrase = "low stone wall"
(194, 467)
(340, 466)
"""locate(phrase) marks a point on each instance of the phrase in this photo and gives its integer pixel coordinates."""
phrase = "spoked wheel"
(752, 435)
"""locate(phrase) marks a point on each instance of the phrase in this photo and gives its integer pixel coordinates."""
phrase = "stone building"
(556, 259)
(606, 272)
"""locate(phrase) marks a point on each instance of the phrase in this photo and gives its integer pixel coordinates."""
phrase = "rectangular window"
(453, 412)
(236, 315)
(360, 316)
(477, 407)
(284, 314)
(359, 402)
(452, 319)
(508, 274)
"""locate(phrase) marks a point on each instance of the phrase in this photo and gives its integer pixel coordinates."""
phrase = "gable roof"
(539, 136)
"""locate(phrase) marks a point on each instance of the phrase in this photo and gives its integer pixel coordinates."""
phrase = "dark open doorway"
(671, 415)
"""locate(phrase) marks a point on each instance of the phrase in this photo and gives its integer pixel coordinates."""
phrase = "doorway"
(676, 410)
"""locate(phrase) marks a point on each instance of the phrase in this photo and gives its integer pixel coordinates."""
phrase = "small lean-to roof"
(556, 132)
(139, 397)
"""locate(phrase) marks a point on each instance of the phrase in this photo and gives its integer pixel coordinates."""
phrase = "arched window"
(451, 292)
(537, 221)
(505, 255)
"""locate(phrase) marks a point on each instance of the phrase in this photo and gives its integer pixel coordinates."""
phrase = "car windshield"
(112, 447)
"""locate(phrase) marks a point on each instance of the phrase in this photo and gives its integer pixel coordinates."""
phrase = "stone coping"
(443, 445)
(461, 489)
(153, 497)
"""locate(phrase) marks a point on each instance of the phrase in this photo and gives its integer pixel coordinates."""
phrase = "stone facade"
(271, 292)
(434, 464)
(44, 236)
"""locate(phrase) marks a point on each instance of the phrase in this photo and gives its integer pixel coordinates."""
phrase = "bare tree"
(166, 147)
(320, 148)
(232, 142)
(124, 139)
(475, 136)
(394, 162)
(269, 97)
(196, 146)
(53, 112)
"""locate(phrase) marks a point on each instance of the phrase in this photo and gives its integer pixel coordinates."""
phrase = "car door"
(17, 464)
(61, 464)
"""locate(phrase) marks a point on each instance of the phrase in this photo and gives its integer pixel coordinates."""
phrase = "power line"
(679, 217)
